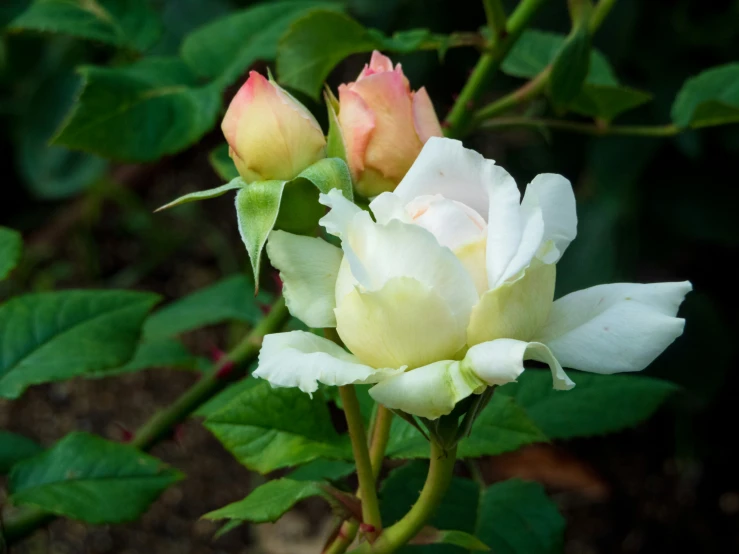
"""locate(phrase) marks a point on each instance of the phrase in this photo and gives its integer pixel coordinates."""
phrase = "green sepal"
(237, 183)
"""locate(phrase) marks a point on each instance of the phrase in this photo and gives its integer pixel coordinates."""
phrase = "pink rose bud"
(270, 134)
(384, 124)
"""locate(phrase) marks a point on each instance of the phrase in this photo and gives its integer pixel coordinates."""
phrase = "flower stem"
(496, 17)
(367, 492)
(461, 113)
(380, 437)
(439, 476)
(585, 128)
(26, 519)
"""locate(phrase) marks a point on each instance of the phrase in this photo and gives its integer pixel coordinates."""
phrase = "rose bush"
(450, 289)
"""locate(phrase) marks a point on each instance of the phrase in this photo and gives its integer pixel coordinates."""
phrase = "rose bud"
(270, 134)
(384, 124)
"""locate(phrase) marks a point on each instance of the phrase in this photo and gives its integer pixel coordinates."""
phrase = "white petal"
(308, 268)
(301, 359)
(501, 361)
(514, 235)
(553, 194)
(452, 223)
(377, 253)
(342, 212)
(446, 167)
(614, 328)
(389, 206)
(430, 391)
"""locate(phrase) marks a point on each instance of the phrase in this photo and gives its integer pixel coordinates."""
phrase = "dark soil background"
(669, 485)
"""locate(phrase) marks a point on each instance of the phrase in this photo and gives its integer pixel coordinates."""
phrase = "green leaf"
(235, 184)
(328, 174)
(517, 517)
(58, 335)
(11, 246)
(595, 406)
(222, 163)
(225, 48)
(405, 42)
(91, 479)
(140, 112)
(267, 429)
(315, 44)
(430, 535)
(162, 352)
(535, 50)
(570, 68)
(322, 470)
(268, 502)
(226, 396)
(14, 448)
(231, 299)
(53, 172)
(128, 24)
(257, 207)
(606, 101)
(710, 98)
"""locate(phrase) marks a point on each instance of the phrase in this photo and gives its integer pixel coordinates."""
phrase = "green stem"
(460, 115)
(538, 84)
(437, 483)
(380, 438)
(367, 492)
(27, 519)
(495, 14)
(585, 128)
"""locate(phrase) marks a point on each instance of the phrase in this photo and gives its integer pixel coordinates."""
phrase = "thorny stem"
(27, 519)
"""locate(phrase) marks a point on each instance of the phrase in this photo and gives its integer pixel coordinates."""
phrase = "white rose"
(450, 289)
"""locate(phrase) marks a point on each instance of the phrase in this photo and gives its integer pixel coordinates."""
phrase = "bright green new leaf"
(517, 517)
(710, 98)
(14, 448)
(53, 172)
(222, 163)
(130, 24)
(140, 112)
(225, 48)
(235, 184)
(606, 101)
(535, 50)
(88, 478)
(257, 207)
(58, 335)
(269, 501)
(595, 406)
(231, 299)
(162, 352)
(315, 44)
(267, 429)
(11, 246)
(570, 67)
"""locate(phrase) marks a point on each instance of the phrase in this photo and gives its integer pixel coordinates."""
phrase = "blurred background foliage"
(651, 209)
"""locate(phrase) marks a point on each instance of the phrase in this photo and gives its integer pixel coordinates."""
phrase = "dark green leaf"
(53, 172)
(162, 352)
(535, 50)
(257, 207)
(269, 501)
(314, 44)
(595, 406)
(606, 102)
(222, 163)
(322, 470)
(711, 98)
(11, 246)
(58, 335)
(88, 478)
(235, 184)
(140, 112)
(405, 42)
(14, 448)
(517, 517)
(128, 24)
(225, 48)
(231, 299)
(267, 429)
(226, 396)
(570, 68)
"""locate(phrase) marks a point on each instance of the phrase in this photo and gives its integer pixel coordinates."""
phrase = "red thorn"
(278, 281)
(178, 434)
(341, 533)
(126, 434)
(225, 370)
(265, 308)
(367, 528)
(445, 124)
(216, 354)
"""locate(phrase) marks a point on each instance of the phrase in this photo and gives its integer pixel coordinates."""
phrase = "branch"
(584, 128)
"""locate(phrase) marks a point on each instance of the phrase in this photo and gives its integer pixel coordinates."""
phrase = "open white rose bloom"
(450, 289)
